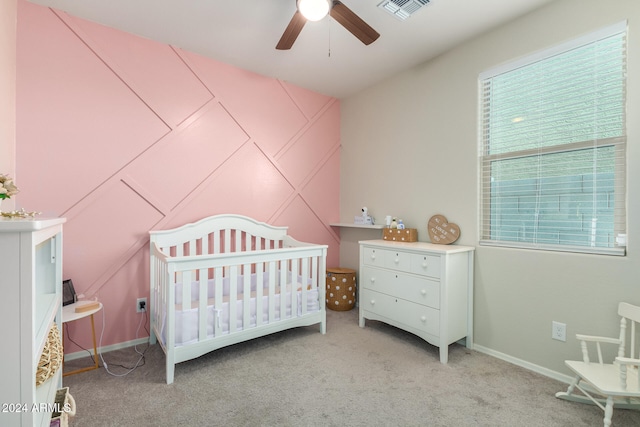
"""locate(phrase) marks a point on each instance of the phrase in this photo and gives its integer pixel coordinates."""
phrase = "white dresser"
(31, 287)
(423, 288)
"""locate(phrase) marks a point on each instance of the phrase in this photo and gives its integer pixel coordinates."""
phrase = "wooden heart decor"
(442, 231)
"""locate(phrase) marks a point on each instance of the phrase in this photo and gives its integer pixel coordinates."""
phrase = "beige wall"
(8, 16)
(409, 148)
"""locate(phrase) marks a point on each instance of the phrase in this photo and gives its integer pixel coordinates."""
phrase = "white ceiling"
(244, 33)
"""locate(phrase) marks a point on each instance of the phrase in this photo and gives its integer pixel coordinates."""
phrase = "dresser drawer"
(407, 286)
(413, 315)
(427, 265)
(397, 260)
(373, 256)
(385, 258)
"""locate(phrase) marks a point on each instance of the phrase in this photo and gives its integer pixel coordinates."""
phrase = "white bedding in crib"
(186, 321)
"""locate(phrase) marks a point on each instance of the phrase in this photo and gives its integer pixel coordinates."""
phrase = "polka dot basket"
(341, 289)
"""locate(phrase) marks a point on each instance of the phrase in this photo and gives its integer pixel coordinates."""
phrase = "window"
(553, 148)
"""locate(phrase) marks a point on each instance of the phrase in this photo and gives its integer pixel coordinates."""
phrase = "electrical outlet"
(141, 305)
(558, 331)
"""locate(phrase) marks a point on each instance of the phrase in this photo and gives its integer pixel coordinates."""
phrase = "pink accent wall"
(122, 135)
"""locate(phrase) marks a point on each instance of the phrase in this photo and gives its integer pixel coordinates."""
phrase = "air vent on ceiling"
(402, 9)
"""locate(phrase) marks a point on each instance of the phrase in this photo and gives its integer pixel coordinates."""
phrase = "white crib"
(227, 279)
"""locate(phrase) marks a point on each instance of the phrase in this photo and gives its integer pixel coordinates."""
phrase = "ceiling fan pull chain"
(329, 32)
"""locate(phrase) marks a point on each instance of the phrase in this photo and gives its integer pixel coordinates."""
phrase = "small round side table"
(69, 314)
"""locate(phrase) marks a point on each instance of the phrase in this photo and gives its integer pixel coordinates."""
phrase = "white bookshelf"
(31, 286)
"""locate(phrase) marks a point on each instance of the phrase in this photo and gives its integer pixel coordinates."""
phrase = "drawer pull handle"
(424, 319)
(373, 280)
(423, 292)
(373, 302)
(373, 256)
(424, 265)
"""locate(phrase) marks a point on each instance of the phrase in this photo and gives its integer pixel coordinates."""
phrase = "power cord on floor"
(141, 353)
(67, 334)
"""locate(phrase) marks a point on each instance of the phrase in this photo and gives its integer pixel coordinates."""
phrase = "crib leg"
(171, 366)
(170, 371)
(323, 323)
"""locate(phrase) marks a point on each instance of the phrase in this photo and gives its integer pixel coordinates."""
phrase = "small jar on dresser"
(422, 288)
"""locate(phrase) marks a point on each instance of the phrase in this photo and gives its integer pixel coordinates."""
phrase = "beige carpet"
(376, 376)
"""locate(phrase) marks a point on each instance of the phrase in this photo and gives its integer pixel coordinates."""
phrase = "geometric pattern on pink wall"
(122, 135)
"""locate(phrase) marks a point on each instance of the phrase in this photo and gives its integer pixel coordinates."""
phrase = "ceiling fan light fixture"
(314, 10)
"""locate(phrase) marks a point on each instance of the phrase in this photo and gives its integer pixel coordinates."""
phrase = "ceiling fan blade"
(353, 23)
(291, 32)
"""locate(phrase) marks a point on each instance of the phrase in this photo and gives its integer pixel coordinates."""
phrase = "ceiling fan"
(315, 10)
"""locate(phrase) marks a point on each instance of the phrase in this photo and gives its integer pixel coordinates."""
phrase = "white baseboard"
(106, 349)
(524, 364)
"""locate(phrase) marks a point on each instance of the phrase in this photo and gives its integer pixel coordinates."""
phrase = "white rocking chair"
(614, 383)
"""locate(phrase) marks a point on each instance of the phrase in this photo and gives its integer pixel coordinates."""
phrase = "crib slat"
(218, 285)
(216, 242)
(305, 285)
(301, 263)
(179, 252)
(238, 240)
(170, 308)
(204, 248)
(227, 247)
(233, 299)
(272, 291)
(227, 241)
(202, 305)
(186, 290)
(164, 302)
(283, 288)
(259, 293)
(246, 297)
(294, 287)
(322, 290)
(247, 241)
(315, 266)
(192, 277)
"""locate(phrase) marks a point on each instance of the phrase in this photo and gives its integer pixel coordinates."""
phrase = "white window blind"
(553, 148)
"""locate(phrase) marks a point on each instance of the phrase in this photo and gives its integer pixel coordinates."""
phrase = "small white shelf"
(353, 225)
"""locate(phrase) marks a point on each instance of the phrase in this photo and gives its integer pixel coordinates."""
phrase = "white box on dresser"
(423, 288)
(31, 287)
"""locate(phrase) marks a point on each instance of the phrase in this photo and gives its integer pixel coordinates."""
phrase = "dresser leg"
(444, 354)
